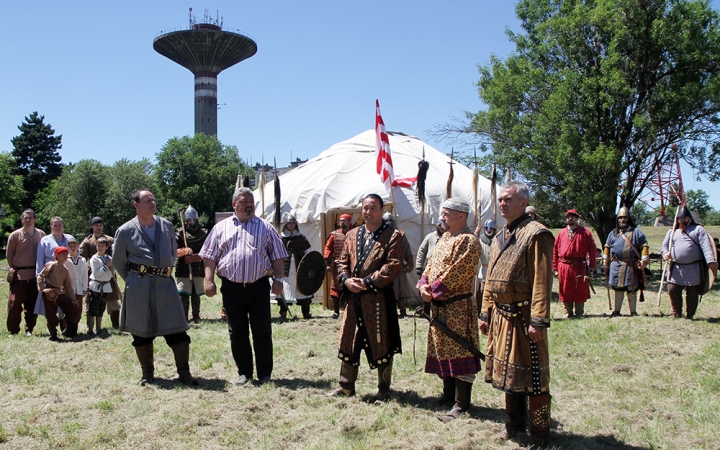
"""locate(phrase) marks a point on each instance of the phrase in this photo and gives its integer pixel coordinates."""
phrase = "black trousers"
(247, 306)
(171, 339)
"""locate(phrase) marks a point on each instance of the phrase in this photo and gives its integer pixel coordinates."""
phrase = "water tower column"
(206, 103)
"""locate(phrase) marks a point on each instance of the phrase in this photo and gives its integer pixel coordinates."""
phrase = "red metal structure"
(665, 185)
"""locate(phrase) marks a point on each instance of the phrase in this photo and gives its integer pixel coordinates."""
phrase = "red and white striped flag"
(382, 151)
(383, 157)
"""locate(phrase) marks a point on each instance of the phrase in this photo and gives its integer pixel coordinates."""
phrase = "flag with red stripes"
(382, 150)
(383, 156)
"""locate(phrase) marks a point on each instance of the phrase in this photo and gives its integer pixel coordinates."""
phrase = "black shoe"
(242, 381)
(55, 339)
(264, 380)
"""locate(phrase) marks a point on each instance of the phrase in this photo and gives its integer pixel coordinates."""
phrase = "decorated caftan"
(451, 273)
(370, 320)
(517, 294)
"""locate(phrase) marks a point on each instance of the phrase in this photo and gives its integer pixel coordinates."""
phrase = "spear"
(451, 175)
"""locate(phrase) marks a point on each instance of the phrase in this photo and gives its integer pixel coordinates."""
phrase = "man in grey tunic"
(144, 254)
(690, 245)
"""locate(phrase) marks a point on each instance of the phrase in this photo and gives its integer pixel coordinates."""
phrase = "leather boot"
(540, 418)
(115, 319)
(305, 308)
(348, 376)
(182, 356)
(448, 395)
(579, 309)
(195, 301)
(568, 309)
(516, 410)
(463, 393)
(146, 357)
(384, 381)
(185, 299)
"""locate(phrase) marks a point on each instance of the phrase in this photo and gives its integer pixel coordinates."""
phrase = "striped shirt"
(243, 251)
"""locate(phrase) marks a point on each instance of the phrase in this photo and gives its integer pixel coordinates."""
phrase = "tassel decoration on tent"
(423, 167)
(277, 197)
(493, 190)
(475, 179)
(451, 175)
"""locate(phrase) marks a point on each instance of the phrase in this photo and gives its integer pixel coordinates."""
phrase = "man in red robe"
(570, 264)
(333, 248)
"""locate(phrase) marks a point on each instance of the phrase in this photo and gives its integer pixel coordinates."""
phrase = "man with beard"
(190, 268)
(333, 248)
(572, 247)
(686, 248)
(143, 254)
(88, 249)
(245, 249)
(427, 246)
(296, 245)
(516, 314)
(21, 254)
(448, 284)
(627, 251)
(370, 261)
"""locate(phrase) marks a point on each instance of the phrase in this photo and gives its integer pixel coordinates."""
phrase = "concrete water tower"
(206, 49)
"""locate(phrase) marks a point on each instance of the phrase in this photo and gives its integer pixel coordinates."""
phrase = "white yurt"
(335, 182)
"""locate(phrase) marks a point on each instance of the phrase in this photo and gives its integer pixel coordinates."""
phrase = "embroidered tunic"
(517, 294)
(451, 272)
(569, 258)
(370, 320)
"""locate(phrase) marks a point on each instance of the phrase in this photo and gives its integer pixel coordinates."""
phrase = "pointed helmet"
(190, 213)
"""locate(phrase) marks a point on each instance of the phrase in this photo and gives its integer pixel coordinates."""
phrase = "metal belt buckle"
(165, 271)
(142, 270)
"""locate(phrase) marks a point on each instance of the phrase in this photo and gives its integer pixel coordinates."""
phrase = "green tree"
(11, 195)
(77, 195)
(698, 201)
(35, 151)
(196, 170)
(124, 177)
(643, 215)
(712, 218)
(596, 94)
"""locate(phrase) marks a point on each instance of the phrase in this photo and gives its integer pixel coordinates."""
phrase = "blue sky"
(90, 69)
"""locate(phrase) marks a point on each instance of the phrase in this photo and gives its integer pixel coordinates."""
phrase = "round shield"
(310, 273)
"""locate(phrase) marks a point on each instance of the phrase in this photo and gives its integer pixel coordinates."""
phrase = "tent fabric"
(339, 177)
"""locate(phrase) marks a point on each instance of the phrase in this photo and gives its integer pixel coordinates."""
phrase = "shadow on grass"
(562, 440)
(301, 383)
(204, 384)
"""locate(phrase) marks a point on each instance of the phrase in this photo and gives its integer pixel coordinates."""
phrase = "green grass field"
(648, 382)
